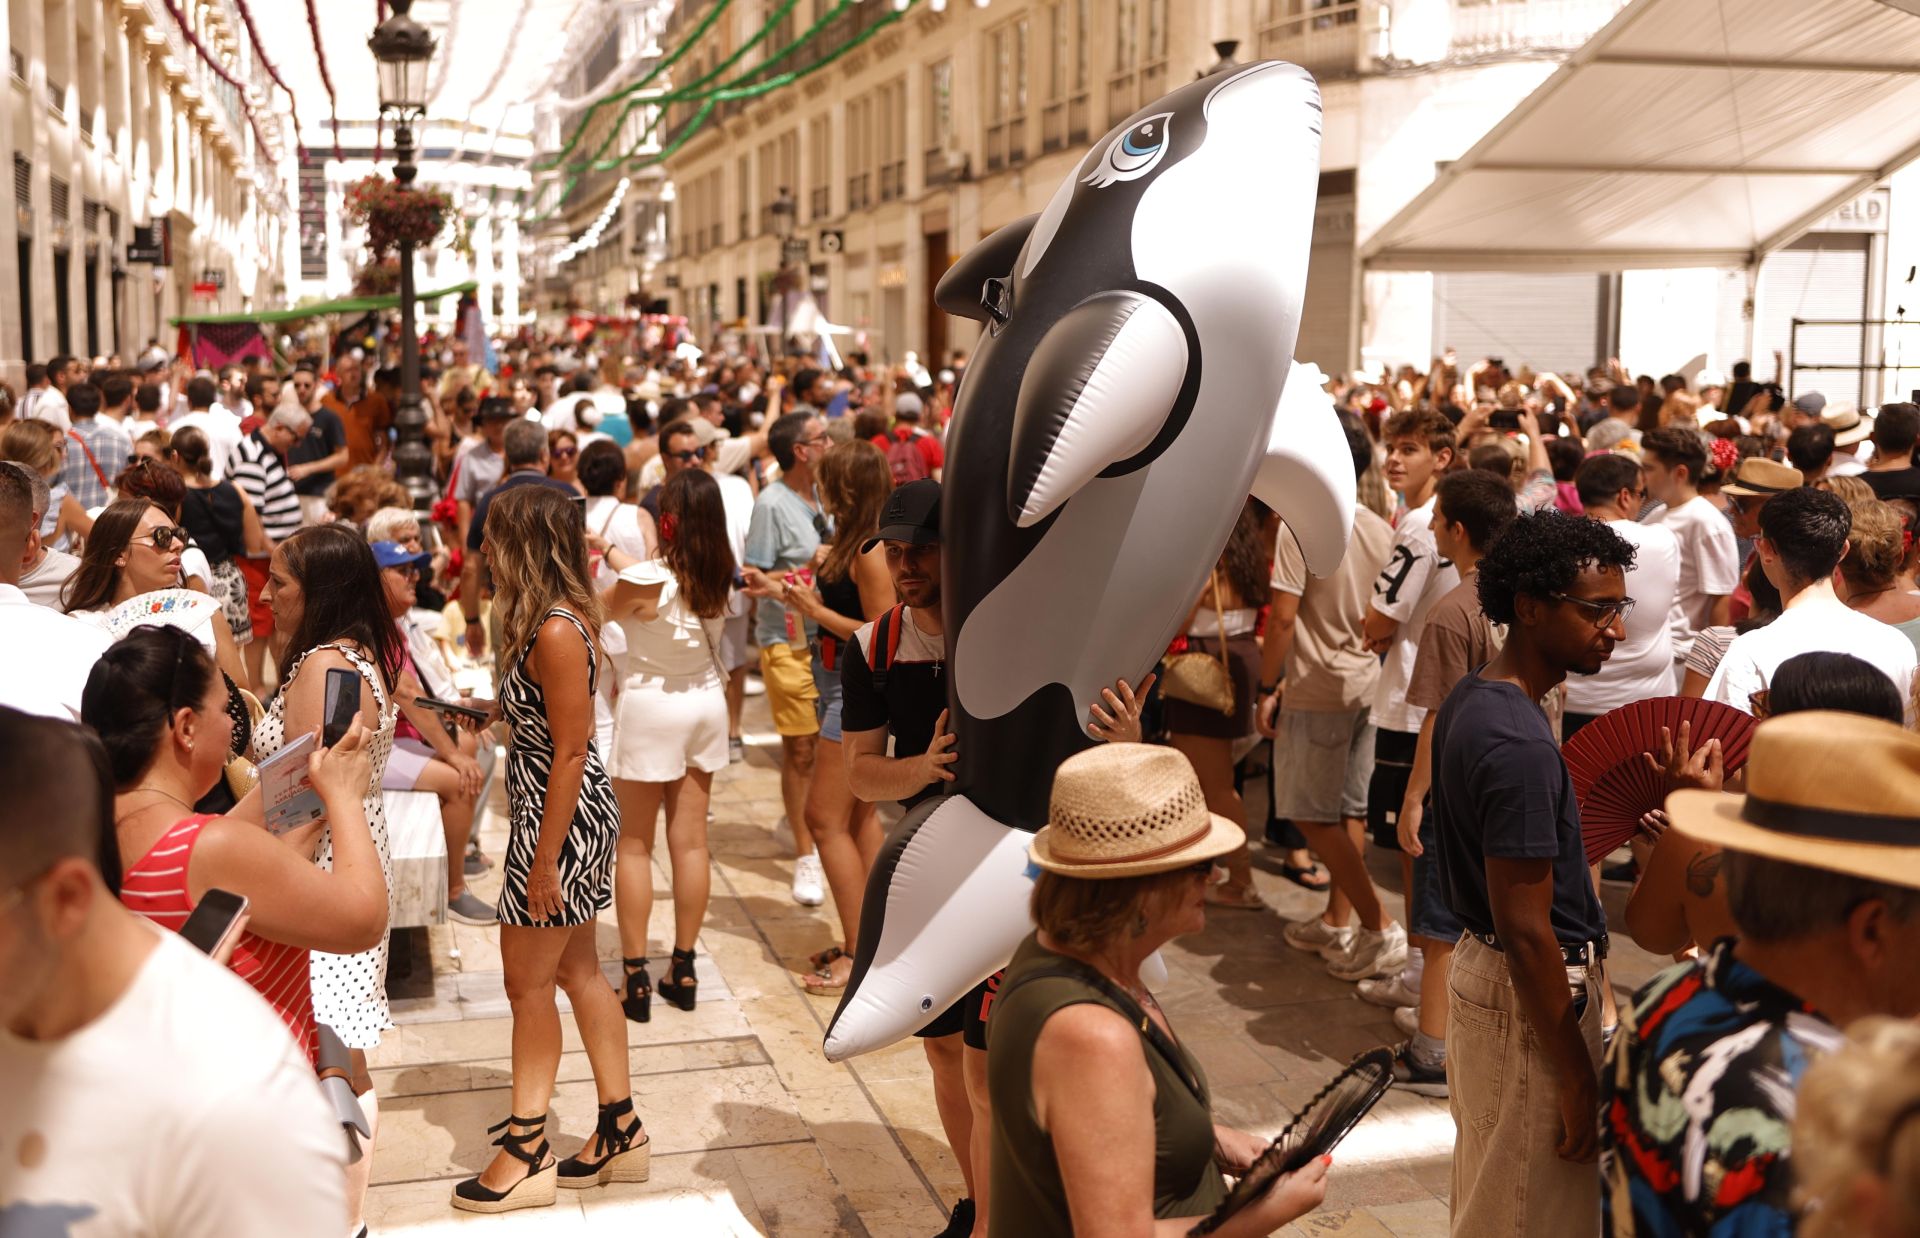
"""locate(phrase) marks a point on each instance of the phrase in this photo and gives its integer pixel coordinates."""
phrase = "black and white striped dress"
(586, 859)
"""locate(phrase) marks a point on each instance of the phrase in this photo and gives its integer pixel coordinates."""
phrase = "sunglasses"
(565, 453)
(163, 538)
(1602, 613)
(1202, 870)
(688, 457)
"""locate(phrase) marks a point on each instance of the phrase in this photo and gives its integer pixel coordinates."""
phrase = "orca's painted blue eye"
(1133, 153)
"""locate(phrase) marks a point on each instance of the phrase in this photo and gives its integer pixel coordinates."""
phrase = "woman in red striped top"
(159, 704)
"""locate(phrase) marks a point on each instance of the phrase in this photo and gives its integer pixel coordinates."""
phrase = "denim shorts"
(1321, 759)
(827, 708)
(1431, 917)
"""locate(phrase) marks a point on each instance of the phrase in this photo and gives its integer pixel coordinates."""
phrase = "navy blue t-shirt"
(1501, 789)
(526, 477)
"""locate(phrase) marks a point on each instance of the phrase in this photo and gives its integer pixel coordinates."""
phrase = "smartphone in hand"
(342, 703)
(214, 920)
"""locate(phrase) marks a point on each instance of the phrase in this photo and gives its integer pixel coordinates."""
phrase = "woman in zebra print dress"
(563, 827)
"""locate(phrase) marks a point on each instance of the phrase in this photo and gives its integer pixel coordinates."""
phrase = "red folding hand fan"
(1611, 777)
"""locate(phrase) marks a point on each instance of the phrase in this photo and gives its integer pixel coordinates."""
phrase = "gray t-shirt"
(782, 536)
(480, 471)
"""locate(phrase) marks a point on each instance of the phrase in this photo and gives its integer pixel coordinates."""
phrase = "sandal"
(533, 1191)
(1241, 898)
(621, 1159)
(1303, 877)
(820, 958)
(637, 1001)
(678, 986)
(822, 979)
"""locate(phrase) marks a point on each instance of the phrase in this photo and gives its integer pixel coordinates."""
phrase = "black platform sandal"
(533, 1191)
(678, 986)
(621, 1159)
(638, 1000)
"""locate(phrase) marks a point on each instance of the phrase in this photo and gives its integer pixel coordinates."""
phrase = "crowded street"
(937, 619)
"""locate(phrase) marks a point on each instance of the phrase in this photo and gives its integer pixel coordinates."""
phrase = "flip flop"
(1242, 898)
(821, 958)
(1302, 877)
(822, 979)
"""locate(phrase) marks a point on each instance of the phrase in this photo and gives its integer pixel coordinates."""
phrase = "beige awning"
(1687, 133)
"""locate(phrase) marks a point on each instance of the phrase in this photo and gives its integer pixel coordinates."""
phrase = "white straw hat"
(1129, 810)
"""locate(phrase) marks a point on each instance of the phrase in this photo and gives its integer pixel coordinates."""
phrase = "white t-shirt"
(50, 656)
(1641, 665)
(1414, 578)
(222, 429)
(619, 523)
(1709, 566)
(185, 1109)
(51, 405)
(1816, 626)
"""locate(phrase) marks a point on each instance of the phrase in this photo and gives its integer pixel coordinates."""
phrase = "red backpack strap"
(886, 642)
(97, 470)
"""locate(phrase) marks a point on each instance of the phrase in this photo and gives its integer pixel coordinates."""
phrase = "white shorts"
(664, 725)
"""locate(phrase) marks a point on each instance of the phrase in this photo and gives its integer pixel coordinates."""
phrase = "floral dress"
(349, 990)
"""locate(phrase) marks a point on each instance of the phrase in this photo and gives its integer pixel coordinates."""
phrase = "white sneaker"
(1316, 936)
(1371, 954)
(1407, 1019)
(1390, 992)
(753, 685)
(807, 879)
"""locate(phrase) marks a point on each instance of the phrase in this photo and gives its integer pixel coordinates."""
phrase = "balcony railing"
(1063, 123)
(821, 202)
(1006, 143)
(1325, 40)
(859, 191)
(893, 180)
(18, 64)
(1509, 27)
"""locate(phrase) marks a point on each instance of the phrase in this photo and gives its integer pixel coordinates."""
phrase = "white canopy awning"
(1687, 133)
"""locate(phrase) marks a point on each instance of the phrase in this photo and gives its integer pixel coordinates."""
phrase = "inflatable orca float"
(1130, 390)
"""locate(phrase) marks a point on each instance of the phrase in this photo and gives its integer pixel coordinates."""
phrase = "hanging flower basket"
(392, 213)
(377, 279)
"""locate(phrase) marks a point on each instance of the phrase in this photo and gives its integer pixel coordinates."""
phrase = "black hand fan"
(1314, 1131)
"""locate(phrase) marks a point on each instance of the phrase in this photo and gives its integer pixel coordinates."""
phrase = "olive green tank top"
(1028, 1199)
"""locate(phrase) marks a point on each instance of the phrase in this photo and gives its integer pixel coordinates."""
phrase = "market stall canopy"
(1687, 133)
(346, 305)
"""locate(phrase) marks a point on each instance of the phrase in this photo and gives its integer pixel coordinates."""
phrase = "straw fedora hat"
(1129, 810)
(1850, 427)
(1759, 477)
(1828, 790)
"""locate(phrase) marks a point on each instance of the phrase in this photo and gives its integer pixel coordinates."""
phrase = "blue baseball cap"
(393, 554)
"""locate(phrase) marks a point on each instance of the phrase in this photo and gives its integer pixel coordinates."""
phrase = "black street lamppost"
(402, 47)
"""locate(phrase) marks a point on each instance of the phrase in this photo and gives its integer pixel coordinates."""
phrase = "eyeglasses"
(565, 453)
(808, 442)
(163, 538)
(688, 457)
(1602, 613)
(1202, 870)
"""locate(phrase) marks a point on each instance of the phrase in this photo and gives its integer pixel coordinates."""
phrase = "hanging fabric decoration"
(326, 79)
(260, 54)
(219, 71)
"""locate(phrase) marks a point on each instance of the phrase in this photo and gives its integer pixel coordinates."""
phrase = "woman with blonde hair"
(670, 723)
(1856, 1135)
(563, 824)
(852, 587)
(1870, 580)
(40, 446)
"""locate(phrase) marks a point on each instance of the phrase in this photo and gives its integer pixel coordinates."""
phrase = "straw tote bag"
(1202, 678)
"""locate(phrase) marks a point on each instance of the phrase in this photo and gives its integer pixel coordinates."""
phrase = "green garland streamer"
(711, 99)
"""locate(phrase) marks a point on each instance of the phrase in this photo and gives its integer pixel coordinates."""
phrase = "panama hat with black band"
(1826, 790)
(1761, 478)
(1129, 810)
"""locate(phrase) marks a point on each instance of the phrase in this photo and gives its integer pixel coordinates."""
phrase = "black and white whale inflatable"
(1130, 390)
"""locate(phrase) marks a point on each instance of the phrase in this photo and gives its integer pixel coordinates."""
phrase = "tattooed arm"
(1679, 900)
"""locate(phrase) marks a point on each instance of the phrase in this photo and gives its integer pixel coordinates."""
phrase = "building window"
(1063, 114)
(744, 172)
(820, 167)
(891, 147)
(1139, 56)
(860, 153)
(1007, 95)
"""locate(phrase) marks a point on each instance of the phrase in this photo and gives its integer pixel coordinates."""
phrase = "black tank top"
(842, 597)
(216, 520)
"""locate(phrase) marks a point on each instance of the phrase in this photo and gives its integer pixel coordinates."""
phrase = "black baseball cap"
(497, 408)
(912, 515)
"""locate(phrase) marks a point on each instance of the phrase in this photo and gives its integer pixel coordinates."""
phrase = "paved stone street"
(755, 1133)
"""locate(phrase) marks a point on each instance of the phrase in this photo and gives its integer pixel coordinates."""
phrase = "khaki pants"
(1508, 1182)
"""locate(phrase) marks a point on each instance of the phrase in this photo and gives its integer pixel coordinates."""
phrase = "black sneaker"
(1621, 874)
(960, 1223)
(1410, 1076)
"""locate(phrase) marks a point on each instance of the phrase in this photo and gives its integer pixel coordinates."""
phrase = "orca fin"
(925, 937)
(1097, 391)
(960, 290)
(1307, 474)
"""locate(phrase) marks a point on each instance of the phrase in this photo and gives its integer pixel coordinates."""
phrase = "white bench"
(418, 848)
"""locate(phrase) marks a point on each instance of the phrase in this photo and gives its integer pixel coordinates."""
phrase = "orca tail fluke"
(945, 907)
(1307, 474)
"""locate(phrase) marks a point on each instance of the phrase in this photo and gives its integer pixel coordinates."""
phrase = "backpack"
(886, 643)
(903, 456)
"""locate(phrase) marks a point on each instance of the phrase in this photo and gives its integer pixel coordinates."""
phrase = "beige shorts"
(790, 689)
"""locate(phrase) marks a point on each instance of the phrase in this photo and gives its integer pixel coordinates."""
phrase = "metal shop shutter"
(1820, 276)
(1547, 321)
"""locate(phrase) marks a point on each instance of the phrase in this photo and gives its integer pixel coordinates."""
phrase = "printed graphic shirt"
(1697, 1116)
(1414, 578)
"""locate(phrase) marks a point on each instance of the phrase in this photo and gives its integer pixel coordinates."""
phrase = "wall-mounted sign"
(152, 243)
(217, 278)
